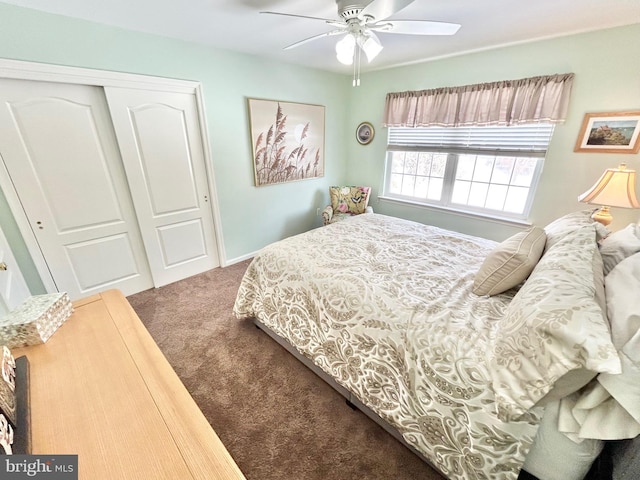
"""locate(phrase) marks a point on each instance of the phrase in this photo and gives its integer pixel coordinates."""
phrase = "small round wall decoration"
(365, 133)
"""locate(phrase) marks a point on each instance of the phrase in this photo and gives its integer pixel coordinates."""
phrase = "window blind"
(530, 138)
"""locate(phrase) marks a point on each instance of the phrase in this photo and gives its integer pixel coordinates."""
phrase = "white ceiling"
(237, 24)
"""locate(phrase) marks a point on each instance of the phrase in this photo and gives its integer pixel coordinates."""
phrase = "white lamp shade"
(615, 188)
(345, 49)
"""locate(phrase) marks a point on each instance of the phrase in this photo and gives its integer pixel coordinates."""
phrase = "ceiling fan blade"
(315, 37)
(381, 9)
(415, 27)
(326, 20)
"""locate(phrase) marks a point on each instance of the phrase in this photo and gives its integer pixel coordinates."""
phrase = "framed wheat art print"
(287, 140)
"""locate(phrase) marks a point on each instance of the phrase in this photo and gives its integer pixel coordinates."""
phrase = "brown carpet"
(277, 419)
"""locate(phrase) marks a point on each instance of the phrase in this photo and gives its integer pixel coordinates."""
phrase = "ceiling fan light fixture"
(345, 49)
(359, 20)
(370, 45)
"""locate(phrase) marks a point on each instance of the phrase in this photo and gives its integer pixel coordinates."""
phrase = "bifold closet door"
(162, 150)
(59, 148)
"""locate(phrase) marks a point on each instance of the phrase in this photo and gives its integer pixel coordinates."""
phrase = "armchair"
(345, 202)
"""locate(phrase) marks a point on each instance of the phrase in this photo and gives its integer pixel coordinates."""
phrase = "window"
(487, 170)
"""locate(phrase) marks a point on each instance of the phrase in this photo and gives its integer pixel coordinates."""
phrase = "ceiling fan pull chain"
(355, 62)
(356, 67)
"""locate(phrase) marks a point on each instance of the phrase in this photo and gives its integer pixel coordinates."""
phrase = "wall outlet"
(318, 212)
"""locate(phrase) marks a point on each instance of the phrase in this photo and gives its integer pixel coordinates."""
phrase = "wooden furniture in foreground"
(102, 389)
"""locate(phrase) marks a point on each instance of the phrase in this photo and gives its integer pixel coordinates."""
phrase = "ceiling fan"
(359, 22)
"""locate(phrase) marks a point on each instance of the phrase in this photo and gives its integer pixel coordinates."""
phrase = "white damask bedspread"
(384, 306)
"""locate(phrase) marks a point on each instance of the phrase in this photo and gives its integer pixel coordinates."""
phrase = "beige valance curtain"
(509, 102)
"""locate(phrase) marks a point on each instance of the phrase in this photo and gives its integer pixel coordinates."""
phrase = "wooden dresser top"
(102, 389)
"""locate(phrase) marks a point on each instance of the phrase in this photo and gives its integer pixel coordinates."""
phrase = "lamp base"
(602, 215)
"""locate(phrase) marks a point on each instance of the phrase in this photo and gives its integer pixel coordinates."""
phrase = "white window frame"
(462, 140)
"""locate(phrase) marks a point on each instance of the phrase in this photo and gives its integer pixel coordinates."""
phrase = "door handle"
(3, 266)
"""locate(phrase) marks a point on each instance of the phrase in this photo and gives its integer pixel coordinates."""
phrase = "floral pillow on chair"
(352, 200)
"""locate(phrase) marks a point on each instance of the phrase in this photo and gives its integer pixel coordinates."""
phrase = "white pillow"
(510, 263)
(566, 224)
(620, 245)
(623, 286)
(553, 325)
(609, 409)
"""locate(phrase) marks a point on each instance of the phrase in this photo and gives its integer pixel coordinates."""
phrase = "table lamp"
(615, 188)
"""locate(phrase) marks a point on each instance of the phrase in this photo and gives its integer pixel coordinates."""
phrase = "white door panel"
(100, 263)
(166, 160)
(182, 242)
(161, 145)
(13, 288)
(89, 198)
(60, 151)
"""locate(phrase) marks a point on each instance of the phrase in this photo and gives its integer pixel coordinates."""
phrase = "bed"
(437, 335)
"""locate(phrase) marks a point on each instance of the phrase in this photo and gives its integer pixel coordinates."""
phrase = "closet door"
(161, 145)
(13, 288)
(59, 148)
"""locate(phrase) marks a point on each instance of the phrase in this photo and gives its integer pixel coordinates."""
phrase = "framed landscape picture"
(287, 140)
(616, 132)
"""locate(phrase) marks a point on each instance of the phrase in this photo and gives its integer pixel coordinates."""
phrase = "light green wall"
(607, 79)
(607, 69)
(251, 217)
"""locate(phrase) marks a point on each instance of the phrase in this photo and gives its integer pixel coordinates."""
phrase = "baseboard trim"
(242, 258)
